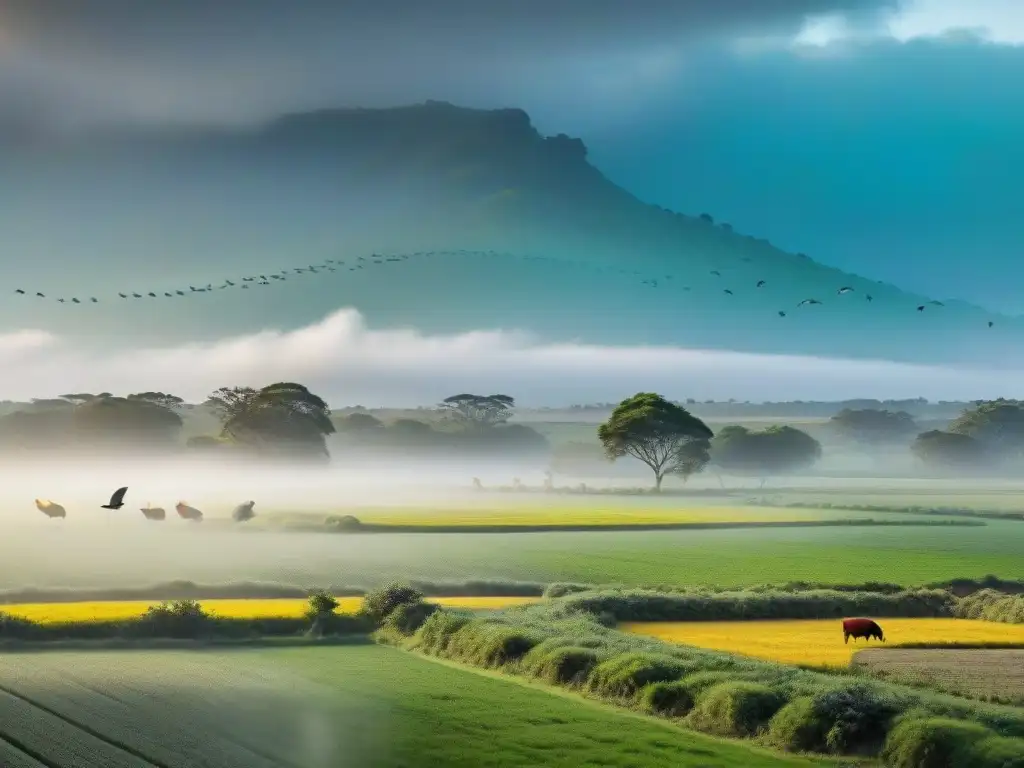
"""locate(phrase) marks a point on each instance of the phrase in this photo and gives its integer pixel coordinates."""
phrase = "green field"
(316, 708)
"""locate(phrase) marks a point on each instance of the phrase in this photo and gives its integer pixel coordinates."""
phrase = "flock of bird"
(329, 266)
(241, 513)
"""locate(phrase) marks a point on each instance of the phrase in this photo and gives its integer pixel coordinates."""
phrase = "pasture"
(316, 708)
(109, 610)
(994, 674)
(79, 554)
(819, 642)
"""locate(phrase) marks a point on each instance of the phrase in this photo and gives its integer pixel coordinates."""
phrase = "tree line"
(281, 420)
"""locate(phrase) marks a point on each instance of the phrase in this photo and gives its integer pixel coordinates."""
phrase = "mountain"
(155, 209)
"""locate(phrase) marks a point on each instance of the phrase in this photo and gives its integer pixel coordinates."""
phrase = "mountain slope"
(152, 210)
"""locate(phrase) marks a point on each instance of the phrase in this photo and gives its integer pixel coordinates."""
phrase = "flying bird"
(18, 290)
(716, 272)
(845, 289)
(726, 290)
(123, 296)
(868, 297)
(781, 313)
(760, 283)
(920, 308)
(808, 301)
(116, 499)
(50, 508)
(990, 323)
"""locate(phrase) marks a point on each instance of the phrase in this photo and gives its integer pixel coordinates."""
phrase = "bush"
(408, 617)
(998, 752)
(933, 743)
(672, 699)
(490, 645)
(17, 628)
(850, 719)
(343, 523)
(560, 589)
(177, 619)
(379, 603)
(624, 675)
(436, 632)
(737, 708)
(320, 603)
(562, 665)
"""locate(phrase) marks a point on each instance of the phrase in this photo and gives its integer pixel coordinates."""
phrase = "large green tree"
(664, 436)
(776, 450)
(998, 425)
(948, 450)
(478, 411)
(283, 418)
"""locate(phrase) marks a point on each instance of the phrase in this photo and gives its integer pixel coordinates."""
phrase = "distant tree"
(998, 425)
(478, 411)
(170, 402)
(120, 422)
(871, 425)
(283, 418)
(359, 423)
(950, 450)
(664, 436)
(78, 398)
(773, 451)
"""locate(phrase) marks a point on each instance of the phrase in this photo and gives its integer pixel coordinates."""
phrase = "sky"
(879, 136)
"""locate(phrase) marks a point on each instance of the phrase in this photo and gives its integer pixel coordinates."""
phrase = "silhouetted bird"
(760, 283)
(868, 297)
(151, 295)
(808, 301)
(920, 308)
(727, 291)
(40, 295)
(75, 301)
(990, 323)
(123, 296)
(18, 290)
(137, 295)
(716, 272)
(781, 313)
(117, 499)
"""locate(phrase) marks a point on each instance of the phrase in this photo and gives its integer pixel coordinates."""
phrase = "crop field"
(325, 707)
(820, 642)
(981, 673)
(43, 556)
(106, 610)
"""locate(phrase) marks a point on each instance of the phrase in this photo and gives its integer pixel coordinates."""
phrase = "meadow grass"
(350, 706)
(819, 642)
(93, 611)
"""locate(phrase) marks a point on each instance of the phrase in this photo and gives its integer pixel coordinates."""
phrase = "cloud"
(246, 59)
(348, 363)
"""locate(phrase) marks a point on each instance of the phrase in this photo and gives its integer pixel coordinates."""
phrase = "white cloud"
(348, 363)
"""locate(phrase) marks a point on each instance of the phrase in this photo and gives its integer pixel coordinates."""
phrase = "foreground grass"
(352, 706)
(819, 642)
(93, 611)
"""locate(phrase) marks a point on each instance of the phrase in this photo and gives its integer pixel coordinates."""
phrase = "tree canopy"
(952, 450)
(998, 425)
(664, 436)
(478, 411)
(772, 451)
(874, 425)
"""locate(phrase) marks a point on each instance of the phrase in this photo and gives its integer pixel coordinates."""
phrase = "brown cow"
(865, 628)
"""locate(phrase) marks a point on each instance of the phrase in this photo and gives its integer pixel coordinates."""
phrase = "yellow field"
(820, 642)
(592, 515)
(48, 613)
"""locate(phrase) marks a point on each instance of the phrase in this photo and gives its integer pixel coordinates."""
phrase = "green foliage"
(850, 719)
(997, 425)
(991, 605)
(623, 675)
(379, 603)
(321, 603)
(177, 618)
(951, 450)
(435, 634)
(491, 645)
(560, 664)
(671, 699)
(664, 436)
(478, 411)
(408, 617)
(772, 451)
(933, 743)
(736, 708)
(874, 426)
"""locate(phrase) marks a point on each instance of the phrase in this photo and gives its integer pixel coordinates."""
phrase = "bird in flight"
(117, 499)
(716, 272)
(781, 313)
(728, 291)
(18, 290)
(868, 297)
(920, 308)
(760, 283)
(990, 323)
(845, 289)
(808, 301)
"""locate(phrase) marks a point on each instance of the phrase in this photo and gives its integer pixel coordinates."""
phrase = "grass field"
(819, 642)
(47, 613)
(44, 556)
(980, 673)
(316, 708)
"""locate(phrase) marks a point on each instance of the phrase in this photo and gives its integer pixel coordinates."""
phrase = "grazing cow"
(153, 513)
(865, 628)
(50, 508)
(185, 512)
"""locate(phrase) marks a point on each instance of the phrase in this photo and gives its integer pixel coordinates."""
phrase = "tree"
(171, 402)
(772, 451)
(871, 425)
(478, 411)
(664, 436)
(998, 425)
(122, 422)
(280, 418)
(359, 423)
(950, 450)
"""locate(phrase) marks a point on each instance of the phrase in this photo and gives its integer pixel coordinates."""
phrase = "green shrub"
(436, 632)
(563, 665)
(379, 603)
(408, 617)
(933, 743)
(320, 602)
(177, 619)
(489, 644)
(849, 719)
(18, 628)
(737, 708)
(672, 698)
(998, 752)
(699, 682)
(559, 589)
(625, 674)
